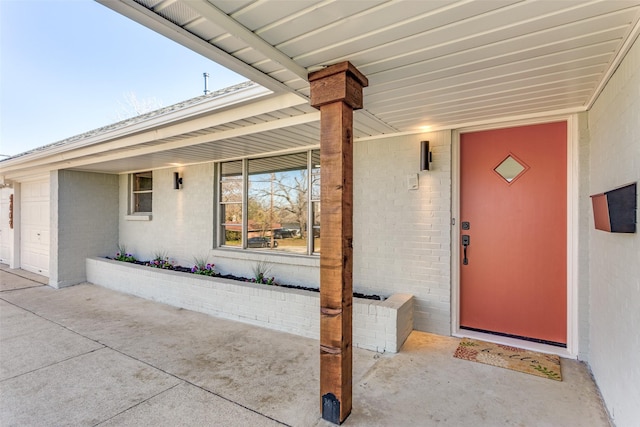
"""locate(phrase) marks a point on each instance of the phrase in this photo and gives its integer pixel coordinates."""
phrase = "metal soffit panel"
(205, 145)
(432, 64)
(280, 140)
(275, 141)
(429, 63)
(210, 144)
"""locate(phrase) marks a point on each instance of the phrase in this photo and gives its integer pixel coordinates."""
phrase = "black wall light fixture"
(177, 181)
(425, 156)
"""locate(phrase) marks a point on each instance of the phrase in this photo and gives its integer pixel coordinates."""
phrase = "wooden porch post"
(336, 91)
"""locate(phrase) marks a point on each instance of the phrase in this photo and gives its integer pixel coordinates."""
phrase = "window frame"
(133, 192)
(220, 212)
(219, 222)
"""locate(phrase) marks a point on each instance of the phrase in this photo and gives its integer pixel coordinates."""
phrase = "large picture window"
(271, 203)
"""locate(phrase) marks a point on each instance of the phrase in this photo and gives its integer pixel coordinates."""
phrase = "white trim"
(281, 257)
(494, 123)
(137, 217)
(572, 238)
(573, 193)
(619, 57)
(455, 232)
(513, 342)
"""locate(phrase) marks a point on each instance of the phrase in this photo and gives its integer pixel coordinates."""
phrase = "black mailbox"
(615, 210)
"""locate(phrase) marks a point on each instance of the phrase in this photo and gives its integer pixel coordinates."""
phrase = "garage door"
(34, 232)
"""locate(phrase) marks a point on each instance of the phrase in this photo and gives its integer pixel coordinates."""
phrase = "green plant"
(260, 271)
(123, 255)
(202, 266)
(160, 260)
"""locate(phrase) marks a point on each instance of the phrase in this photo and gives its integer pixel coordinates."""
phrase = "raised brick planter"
(377, 325)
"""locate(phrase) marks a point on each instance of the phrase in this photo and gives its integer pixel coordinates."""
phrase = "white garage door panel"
(34, 241)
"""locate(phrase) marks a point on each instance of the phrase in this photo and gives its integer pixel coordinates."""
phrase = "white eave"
(152, 138)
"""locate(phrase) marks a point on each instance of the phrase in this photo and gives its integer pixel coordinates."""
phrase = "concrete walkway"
(88, 356)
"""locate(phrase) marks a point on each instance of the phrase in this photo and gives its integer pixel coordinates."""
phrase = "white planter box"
(377, 325)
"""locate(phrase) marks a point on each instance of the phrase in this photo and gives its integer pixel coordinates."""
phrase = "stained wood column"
(336, 91)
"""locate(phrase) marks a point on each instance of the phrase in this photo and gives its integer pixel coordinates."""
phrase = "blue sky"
(66, 67)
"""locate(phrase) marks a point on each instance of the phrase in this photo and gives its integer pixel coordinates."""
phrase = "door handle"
(466, 241)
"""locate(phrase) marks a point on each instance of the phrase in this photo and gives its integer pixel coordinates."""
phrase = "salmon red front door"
(513, 274)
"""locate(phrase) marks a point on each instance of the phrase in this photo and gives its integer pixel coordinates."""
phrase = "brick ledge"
(381, 326)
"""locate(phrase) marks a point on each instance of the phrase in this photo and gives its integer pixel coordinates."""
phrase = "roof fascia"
(154, 121)
(194, 140)
(157, 23)
(161, 128)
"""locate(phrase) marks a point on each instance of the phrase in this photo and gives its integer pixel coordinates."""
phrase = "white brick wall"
(292, 269)
(584, 214)
(182, 220)
(614, 274)
(377, 325)
(402, 237)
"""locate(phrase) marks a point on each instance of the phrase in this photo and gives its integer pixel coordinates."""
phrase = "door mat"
(517, 359)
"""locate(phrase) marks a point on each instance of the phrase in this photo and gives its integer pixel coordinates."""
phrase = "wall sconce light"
(425, 156)
(177, 181)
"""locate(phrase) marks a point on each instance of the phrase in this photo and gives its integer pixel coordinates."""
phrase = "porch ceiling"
(433, 64)
(437, 63)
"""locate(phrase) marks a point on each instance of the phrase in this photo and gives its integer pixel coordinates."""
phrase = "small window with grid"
(141, 192)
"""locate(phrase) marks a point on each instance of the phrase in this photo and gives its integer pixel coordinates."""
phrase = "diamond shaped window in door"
(510, 168)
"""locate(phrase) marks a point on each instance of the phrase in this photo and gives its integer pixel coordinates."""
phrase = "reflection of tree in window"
(315, 200)
(142, 192)
(231, 203)
(277, 192)
(278, 197)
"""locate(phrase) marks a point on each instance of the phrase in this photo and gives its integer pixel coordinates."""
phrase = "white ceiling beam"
(157, 23)
(221, 19)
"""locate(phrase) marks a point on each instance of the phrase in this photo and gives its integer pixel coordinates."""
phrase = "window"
(231, 186)
(141, 192)
(315, 199)
(271, 204)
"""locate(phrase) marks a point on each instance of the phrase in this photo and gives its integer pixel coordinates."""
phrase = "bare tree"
(131, 106)
(291, 192)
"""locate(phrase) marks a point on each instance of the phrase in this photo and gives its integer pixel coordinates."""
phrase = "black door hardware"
(466, 241)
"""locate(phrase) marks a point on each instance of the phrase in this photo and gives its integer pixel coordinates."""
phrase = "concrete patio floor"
(88, 356)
